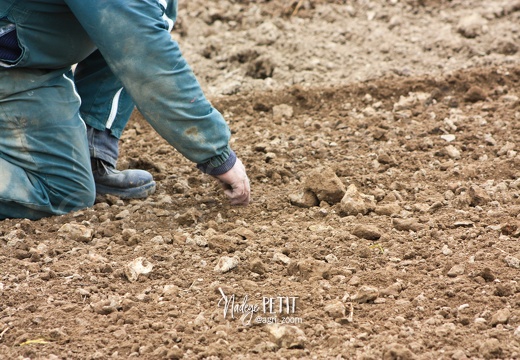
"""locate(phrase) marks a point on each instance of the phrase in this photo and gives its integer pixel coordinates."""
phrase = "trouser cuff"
(102, 145)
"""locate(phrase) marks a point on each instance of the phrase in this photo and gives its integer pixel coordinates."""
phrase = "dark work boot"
(126, 184)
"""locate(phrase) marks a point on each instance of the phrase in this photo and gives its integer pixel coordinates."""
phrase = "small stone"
(471, 26)
(281, 258)
(448, 137)
(478, 196)
(304, 199)
(199, 320)
(397, 351)
(500, 317)
(391, 209)
(446, 250)
(190, 217)
(335, 309)
(83, 292)
(269, 156)
(282, 111)
(463, 223)
(257, 266)
(266, 33)
(137, 267)
(226, 263)
(512, 261)
(76, 232)
(459, 355)
(331, 258)
(489, 140)
(243, 232)
(445, 330)
(58, 335)
(197, 240)
(410, 224)
(457, 270)
(170, 290)
(158, 240)
(369, 232)
(326, 185)
(287, 336)
(309, 268)
(509, 146)
(264, 347)
(320, 228)
(474, 94)
(123, 214)
(354, 202)
(517, 332)
(487, 275)
(103, 307)
(452, 152)
(175, 353)
(128, 233)
(504, 289)
(366, 294)
(392, 290)
(491, 349)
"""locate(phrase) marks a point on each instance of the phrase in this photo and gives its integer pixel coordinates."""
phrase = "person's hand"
(236, 184)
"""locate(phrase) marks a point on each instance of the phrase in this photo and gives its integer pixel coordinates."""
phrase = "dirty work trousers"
(45, 147)
(44, 155)
(125, 55)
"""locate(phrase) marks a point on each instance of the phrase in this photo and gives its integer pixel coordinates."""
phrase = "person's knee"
(73, 196)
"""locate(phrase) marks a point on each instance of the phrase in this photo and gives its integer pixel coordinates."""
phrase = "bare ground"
(381, 139)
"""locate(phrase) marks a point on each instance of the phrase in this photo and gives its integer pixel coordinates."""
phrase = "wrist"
(210, 169)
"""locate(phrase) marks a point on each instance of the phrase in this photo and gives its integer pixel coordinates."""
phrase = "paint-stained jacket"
(133, 37)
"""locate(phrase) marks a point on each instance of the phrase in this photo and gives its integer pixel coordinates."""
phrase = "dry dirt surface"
(381, 139)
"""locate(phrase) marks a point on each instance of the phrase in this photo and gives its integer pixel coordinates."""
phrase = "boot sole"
(140, 192)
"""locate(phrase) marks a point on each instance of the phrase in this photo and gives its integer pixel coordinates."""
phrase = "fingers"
(240, 193)
(236, 184)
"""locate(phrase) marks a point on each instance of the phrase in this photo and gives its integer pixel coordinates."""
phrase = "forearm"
(134, 40)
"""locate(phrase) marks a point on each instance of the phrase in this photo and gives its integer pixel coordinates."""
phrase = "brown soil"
(381, 140)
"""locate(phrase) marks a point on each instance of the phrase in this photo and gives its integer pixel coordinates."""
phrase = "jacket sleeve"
(133, 37)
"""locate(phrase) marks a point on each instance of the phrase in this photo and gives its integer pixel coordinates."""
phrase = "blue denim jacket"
(134, 39)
